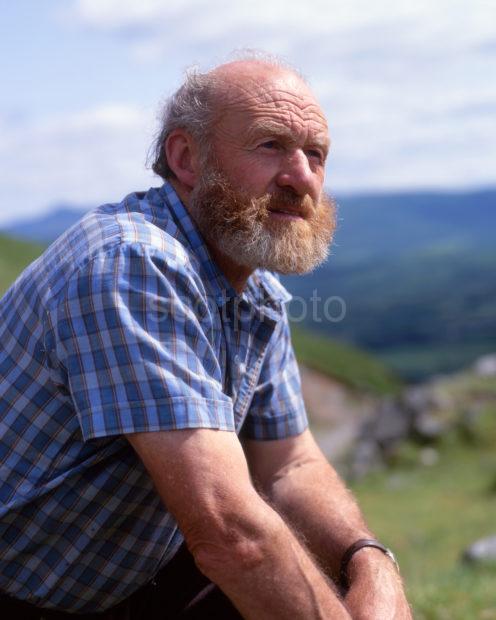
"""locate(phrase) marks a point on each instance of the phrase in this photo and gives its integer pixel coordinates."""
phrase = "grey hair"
(192, 107)
(189, 108)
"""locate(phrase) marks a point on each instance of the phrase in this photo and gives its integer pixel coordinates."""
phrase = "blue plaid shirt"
(123, 325)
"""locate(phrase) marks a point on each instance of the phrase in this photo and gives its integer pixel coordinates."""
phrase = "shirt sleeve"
(277, 409)
(132, 334)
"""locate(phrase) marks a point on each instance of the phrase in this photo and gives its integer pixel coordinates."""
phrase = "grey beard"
(260, 248)
(239, 227)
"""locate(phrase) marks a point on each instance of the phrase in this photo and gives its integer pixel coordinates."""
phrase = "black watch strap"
(356, 546)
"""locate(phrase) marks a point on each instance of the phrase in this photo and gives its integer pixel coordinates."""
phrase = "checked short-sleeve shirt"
(123, 325)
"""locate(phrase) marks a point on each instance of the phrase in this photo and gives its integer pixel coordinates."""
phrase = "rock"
(430, 409)
(428, 397)
(386, 429)
(485, 366)
(366, 457)
(428, 457)
(391, 424)
(482, 551)
(336, 413)
(428, 426)
(417, 398)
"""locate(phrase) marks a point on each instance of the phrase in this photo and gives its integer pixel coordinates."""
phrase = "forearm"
(275, 577)
(316, 502)
(236, 538)
(307, 492)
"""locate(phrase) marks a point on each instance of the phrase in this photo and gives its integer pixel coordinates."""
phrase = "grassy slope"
(429, 515)
(14, 256)
(434, 359)
(344, 363)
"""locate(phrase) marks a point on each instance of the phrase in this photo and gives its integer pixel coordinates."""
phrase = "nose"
(295, 173)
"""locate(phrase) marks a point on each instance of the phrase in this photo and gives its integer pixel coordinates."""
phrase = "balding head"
(242, 73)
(202, 99)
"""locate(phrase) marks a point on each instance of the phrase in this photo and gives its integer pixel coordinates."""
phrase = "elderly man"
(156, 460)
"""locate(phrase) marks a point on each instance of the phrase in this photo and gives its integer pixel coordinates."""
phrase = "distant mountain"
(45, 228)
(369, 224)
(415, 272)
(396, 224)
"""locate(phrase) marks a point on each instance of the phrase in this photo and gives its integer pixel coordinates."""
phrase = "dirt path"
(335, 412)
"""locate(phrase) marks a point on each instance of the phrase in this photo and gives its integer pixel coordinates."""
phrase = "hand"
(376, 591)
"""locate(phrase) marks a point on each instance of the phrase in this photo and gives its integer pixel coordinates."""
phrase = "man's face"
(259, 199)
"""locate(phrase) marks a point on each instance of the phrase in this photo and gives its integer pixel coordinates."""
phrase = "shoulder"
(133, 238)
(137, 221)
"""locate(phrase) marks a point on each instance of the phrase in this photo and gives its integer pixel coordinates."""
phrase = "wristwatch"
(356, 546)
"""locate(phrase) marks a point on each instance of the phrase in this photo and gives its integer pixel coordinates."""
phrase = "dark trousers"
(179, 590)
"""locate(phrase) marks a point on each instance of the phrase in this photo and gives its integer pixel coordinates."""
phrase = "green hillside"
(432, 311)
(428, 515)
(429, 510)
(15, 255)
(344, 363)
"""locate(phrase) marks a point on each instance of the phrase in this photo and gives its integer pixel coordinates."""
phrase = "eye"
(270, 144)
(315, 154)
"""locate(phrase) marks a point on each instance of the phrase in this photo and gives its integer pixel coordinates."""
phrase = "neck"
(237, 275)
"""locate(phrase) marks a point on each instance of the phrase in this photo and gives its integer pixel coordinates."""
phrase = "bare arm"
(236, 538)
(307, 491)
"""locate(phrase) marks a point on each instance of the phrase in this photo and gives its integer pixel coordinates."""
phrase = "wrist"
(367, 559)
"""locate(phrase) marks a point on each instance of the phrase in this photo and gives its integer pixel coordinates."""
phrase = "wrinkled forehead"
(283, 100)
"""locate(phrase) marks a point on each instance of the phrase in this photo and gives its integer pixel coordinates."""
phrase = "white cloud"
(84, 158)
(117, 14)
(406, 87)
(388, 73)
(208, 18)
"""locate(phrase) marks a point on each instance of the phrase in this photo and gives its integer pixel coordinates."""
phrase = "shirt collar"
(269, 285)
(263, 287)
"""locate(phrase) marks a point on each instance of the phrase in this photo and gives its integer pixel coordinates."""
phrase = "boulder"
(429, 397)
(365, 458)
(430, 409)
(482, 551)
(485, 366)
(390, 425)
(429, 427)
(380, 435)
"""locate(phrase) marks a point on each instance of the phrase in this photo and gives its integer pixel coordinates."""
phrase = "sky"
(408, 87)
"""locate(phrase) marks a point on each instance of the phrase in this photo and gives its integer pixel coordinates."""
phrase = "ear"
(182, 157)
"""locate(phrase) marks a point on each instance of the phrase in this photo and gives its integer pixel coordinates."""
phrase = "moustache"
(288, 202)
